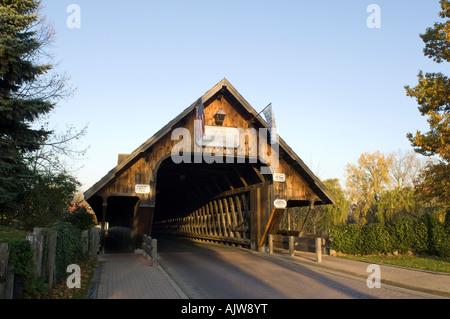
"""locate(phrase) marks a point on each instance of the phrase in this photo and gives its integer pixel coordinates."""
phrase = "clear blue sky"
(336, 86)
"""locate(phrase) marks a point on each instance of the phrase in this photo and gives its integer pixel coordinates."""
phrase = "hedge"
(426, 235)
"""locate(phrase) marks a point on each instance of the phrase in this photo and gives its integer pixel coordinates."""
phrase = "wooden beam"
(311, 208)
(258, 173)
(241, 190)
(272, 224)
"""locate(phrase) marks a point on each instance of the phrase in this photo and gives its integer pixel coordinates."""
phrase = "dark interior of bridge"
(182, 188)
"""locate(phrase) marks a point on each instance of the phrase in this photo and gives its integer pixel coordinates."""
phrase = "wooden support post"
(270, 243)
(104, 209)
(4, 262)
(218, 215)
(95, 242)
(228, 216)
(319, 250)
(288, 219)
(203, 221)
(155, 252)
(223, 219)
(49, 258)
(213, 220)
(291, 246)
(150, 249)
(240, 216)
(37, 245)
(233, 217)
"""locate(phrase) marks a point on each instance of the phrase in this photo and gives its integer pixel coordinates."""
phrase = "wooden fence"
(43, 243)
(311, 243)
(6, 274)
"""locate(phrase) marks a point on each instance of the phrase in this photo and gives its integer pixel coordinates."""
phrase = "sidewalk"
(419, 280)
(132, 276)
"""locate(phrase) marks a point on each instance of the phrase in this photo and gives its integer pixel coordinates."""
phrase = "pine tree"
(19, 66)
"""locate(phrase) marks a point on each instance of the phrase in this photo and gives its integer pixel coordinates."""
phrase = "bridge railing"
(311, 244)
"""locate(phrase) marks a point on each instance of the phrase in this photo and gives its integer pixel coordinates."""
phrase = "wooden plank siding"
(143, 169)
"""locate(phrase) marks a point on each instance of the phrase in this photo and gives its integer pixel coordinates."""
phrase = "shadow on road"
(207, 270)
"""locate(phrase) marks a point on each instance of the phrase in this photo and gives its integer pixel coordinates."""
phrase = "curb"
(172, 283)
(93, 288)
(393, 283)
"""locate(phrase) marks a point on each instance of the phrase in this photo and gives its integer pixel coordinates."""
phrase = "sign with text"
(142, 189)
(219, 136)
(277, 177)
(280, 203)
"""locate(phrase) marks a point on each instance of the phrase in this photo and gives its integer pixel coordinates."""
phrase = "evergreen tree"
(19, 67)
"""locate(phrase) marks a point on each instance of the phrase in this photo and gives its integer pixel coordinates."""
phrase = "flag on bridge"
(199, 126)
(268, 113)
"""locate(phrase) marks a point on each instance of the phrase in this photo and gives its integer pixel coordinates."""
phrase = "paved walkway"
(437, 284)
(132, 276)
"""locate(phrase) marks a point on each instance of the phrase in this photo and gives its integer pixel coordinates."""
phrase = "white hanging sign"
(142, 189)
(280, 203)
(278, 177)
(219, 136)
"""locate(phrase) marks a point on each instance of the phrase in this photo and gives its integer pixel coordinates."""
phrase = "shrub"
(81, 218)
(402, 235)
(427, 235)
(346, 239)
(438, 238)
(447, 222)
(68, 247)
(375, 239)
(21, 257)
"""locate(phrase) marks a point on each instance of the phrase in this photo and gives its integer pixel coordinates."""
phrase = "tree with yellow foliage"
(366, 183)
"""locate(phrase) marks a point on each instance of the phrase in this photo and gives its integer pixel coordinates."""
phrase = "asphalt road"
(212, 271)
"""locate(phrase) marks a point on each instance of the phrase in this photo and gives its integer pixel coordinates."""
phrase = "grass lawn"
(418, 262)
(8, 233)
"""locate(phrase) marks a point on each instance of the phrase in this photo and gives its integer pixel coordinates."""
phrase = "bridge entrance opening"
(210, 202)
(120, 236)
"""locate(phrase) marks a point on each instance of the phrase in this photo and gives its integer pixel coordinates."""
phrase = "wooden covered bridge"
(228, 184)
